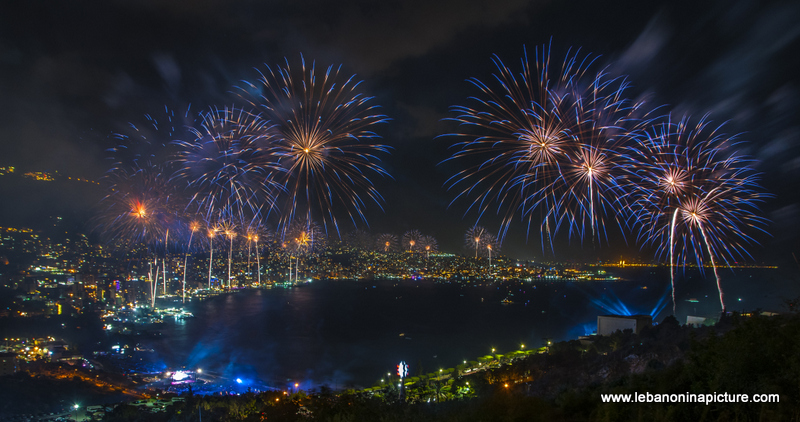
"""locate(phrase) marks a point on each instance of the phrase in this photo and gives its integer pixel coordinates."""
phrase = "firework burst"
(151, 141)
(428, 244)
(323, 128)
(693, 196)
(230, 164)
(542, 142)
(411, 240)
(491, 245)
(141, 206)
(387, 242)
(360, 239)
(474, 238)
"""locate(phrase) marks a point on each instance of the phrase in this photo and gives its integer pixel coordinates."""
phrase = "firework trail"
(194, 227)
(256, 238)
(256, 233)
(693, 196)
(230, 164)
(544, 140)
(228, 227)
(211, 232)
(260, 234)
(411, 239)
(323, 127)
(251, 234)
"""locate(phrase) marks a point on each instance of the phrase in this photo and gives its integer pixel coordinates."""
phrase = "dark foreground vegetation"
(739, 355)
(750, 355)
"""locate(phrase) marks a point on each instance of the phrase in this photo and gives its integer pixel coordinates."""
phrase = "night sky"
(73, 72)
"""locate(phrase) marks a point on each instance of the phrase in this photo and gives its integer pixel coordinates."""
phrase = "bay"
(352, 333)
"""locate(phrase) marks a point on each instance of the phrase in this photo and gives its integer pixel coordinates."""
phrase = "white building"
(607, 324)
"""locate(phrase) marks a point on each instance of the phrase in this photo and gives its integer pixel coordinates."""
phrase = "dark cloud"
(426, 121)
(380, 34)
(646, 48)
(169, 70)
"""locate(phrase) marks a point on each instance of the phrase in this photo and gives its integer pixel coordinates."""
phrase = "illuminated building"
(608, 324)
